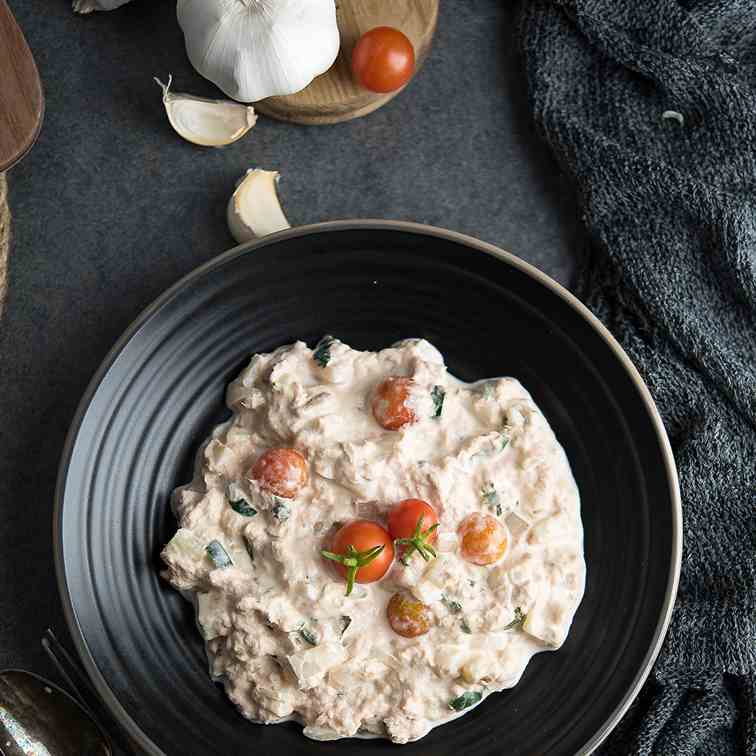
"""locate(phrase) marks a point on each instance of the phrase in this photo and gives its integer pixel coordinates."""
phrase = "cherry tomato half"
(407, 616)
(283, 472)
(390, 403)
(383, 59)
(484, 539)
(358, 539)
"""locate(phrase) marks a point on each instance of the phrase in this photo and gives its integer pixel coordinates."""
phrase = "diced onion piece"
(311, 665)
(498, 580)
(478, 668)
(449, 658)
(494, 642)
(542, 623)
(184, 545)
(516, 524)
(553, 529)
(187, 559)
(426, 591)
(221, 458)
(448, 541)
(356, 673)
(211, 614)
(185, 499)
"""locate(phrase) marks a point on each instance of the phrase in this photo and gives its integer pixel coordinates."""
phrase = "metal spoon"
(76, 678)
(21, 102)
(37, 718)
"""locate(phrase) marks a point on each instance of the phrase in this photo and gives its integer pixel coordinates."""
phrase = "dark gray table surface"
(111, 207)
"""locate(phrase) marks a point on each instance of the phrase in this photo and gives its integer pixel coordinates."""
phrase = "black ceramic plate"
(161, 390)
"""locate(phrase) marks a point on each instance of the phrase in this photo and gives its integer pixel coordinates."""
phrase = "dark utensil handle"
(82, 688)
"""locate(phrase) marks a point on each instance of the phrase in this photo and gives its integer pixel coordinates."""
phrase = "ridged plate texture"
(160, 392)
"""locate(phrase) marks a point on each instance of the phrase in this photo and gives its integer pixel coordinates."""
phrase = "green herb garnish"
(504, 440)
(353, 560)
(308, 637)
(249, 544)
(491, 497)
(465, 627)
(322, 353)
(418, 541)
(345, 622)
(453, 606)
(518, 621)
(438, 394)
(241, 507)
(281, 511)
(465, 700)
(218, 554)
(488, 493)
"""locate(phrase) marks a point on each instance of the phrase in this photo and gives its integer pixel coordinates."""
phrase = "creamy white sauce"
(491, 451)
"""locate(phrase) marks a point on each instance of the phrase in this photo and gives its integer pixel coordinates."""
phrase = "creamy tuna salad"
(373, 546)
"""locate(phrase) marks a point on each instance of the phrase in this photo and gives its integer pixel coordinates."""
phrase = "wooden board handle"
(21, 100)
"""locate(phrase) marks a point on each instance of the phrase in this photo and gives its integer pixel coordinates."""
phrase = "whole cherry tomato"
(281, 471)
(362, 551)
(484, 539)
(390, 407)
(383, 59)
(413, 524)
(407, 616)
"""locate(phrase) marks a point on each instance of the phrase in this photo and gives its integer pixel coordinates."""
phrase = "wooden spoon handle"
(22, 104)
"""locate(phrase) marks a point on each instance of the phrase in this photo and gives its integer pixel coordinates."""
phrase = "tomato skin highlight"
(390, 408)
(484, 539)
(403, 518)
(407, 616)
(364, 535)
(281, 471)
(383, 59)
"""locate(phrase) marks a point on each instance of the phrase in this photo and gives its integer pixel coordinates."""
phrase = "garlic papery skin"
(209, 123)
(254, 209)
(253, 49)
(87, 6)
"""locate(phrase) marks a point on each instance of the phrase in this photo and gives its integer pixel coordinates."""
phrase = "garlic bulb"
(254, 49)
(87, 6)
(209, 123)
(254, 209)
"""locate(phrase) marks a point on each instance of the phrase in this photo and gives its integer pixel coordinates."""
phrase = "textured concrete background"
(111, 207)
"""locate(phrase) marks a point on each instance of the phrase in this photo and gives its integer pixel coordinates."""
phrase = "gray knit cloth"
(669, 204)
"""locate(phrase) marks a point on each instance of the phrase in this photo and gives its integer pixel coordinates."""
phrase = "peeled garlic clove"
(254, 209)
(87, 6)
(209, 123)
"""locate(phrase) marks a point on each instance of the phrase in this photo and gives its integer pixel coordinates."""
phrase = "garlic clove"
(254, 209)
(208, 123)
(87, 6)
(253, 49)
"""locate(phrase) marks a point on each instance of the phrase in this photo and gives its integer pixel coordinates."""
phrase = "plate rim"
(420, 229)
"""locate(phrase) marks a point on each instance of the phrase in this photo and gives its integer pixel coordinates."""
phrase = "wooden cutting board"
(21, 101)
(334, 96)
